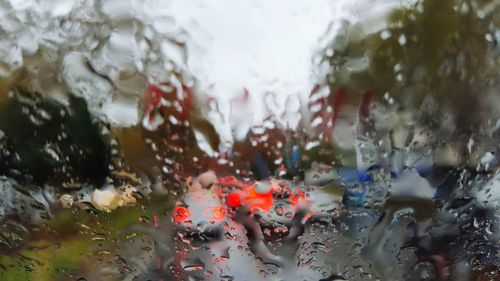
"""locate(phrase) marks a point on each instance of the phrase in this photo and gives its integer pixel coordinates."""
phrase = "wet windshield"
(249, 140)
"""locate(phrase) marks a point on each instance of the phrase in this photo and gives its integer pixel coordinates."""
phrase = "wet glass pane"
(249, 140)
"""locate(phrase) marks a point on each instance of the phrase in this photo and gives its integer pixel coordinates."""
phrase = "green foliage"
(42, 259)
(432, 56)
(51, 142)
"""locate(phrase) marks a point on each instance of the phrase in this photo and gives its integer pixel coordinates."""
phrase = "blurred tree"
(47, 142)
(434, 57)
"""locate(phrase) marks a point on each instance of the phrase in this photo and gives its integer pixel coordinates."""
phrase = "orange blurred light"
(181, 214)
(216, 213)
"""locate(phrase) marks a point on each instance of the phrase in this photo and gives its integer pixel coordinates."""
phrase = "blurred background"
(249, 140)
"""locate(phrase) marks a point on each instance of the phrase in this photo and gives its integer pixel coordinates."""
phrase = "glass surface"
(249, 140)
